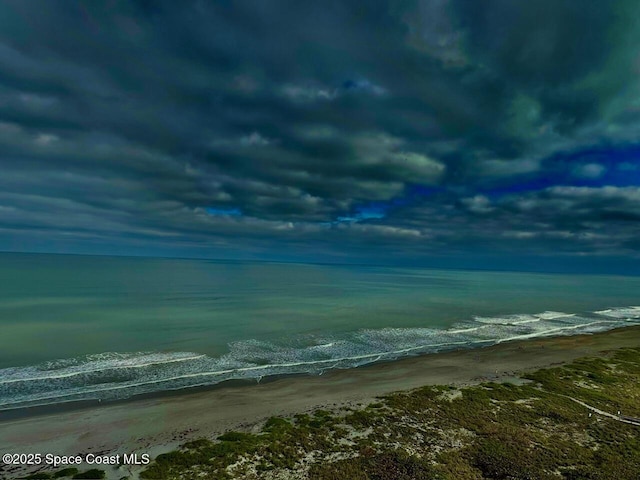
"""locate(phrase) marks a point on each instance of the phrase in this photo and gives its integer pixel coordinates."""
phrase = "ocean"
(104, 328)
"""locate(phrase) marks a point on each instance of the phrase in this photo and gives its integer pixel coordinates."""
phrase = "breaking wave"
(112, 376)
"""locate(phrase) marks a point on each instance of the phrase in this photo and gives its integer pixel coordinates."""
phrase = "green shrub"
(93, 474)
(236, 437)
(392, 465)
(276, 424)
(66, 472)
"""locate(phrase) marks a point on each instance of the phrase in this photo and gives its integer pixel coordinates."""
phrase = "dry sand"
(160, 424)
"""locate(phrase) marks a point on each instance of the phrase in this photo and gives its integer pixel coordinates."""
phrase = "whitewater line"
(546, 332)
(93, 370)
(376, 356)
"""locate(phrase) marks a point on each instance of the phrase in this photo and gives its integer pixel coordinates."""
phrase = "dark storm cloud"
(338, 128)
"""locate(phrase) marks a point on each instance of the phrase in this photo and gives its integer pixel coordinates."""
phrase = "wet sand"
(156, 425)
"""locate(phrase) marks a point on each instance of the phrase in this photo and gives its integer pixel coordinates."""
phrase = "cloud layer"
(339, 129)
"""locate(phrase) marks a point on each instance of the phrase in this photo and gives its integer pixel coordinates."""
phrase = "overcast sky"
(448, 132)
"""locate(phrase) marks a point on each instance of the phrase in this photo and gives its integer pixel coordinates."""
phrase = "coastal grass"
(93, 474)
(70, 472)
(66, 472)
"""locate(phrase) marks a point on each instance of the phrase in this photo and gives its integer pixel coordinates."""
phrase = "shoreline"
(30, 411)
(161, 423)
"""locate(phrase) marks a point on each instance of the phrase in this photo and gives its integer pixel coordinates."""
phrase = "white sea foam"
(508, 319)
(552, 331)
(621, 312)
(109, 361)
(550, 315)
(120, 375)
(519, 319)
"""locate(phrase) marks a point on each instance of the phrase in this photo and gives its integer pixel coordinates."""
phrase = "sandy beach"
(156, 425)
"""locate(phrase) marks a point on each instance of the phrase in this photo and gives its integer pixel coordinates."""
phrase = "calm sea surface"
(76, 327)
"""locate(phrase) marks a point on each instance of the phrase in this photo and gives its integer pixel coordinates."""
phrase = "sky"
(479, 133)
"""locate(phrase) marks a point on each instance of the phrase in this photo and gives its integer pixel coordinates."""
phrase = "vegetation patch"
(93, 474)
(66, 472)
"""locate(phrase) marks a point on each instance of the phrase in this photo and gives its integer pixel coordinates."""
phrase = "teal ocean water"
(80, 328)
